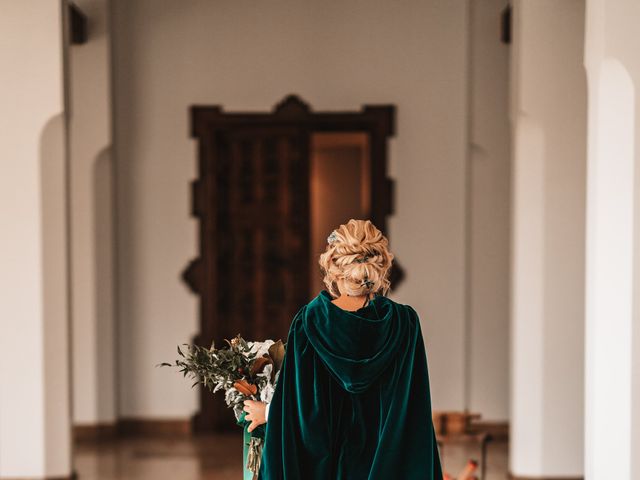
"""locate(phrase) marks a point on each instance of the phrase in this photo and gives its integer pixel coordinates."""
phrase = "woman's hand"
(255, 413)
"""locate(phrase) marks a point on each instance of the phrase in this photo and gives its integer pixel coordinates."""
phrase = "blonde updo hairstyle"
(357, 257)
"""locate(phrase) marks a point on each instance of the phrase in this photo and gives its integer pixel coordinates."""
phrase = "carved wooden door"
(252, 202)
(255, 252)
(261, 206)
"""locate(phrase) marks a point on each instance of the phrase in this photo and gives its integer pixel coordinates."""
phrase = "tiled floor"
(216, 457)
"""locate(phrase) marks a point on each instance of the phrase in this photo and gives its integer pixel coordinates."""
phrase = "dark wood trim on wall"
(128, 427)
(140, 427)
(183, 427)
(73, 476)
(95, 432)
(515, 477)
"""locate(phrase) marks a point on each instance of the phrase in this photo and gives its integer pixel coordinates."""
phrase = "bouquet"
(243, 370)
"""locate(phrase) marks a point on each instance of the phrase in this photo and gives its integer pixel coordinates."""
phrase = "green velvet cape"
(352, 401)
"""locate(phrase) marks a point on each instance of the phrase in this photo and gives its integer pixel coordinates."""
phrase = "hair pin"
(332, 237)
(368, 283)
(363, 259)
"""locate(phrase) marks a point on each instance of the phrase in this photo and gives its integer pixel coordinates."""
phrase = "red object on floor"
(469, 470)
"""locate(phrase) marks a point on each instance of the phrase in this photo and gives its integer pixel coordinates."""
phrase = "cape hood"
(357, 346)
(352, 401)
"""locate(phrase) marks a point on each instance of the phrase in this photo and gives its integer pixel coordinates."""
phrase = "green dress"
(352, 401)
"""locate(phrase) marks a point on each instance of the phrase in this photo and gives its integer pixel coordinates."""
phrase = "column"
(612, 390)
(34, 371)
(92, 225)
(548, 115)
(489, 204)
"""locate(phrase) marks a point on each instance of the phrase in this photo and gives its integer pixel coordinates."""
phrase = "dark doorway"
(271, 186)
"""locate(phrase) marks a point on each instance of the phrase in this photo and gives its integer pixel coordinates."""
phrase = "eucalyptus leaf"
(219, 369)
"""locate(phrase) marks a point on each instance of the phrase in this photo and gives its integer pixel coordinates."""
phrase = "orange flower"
(245, 387)
(259, 364)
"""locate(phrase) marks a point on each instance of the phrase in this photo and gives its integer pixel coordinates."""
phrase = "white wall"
(612, 421)
(248, 56)
(92, 236)
(549, 176)
(34, 377)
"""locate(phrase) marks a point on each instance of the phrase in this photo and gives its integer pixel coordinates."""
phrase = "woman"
(352, 401)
